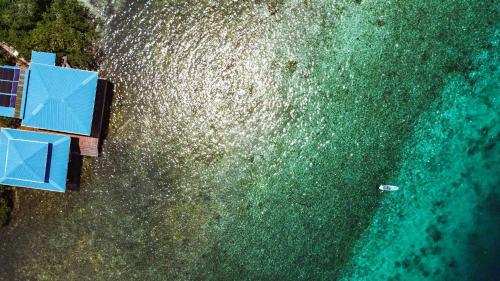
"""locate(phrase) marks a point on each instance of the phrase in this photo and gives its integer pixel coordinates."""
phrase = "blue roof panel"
(43, 58)
(34, 160)
(59, 99)
(26, 160)
(7, 111)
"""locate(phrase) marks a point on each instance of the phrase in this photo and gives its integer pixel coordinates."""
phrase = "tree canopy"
(61, 26)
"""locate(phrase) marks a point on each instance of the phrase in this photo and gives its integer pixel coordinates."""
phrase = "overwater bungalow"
(61, 112)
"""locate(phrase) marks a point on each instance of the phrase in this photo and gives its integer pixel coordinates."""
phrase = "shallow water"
(248, 145)
(444, 223)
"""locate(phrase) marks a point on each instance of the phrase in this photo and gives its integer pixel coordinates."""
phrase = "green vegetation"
(60, 26)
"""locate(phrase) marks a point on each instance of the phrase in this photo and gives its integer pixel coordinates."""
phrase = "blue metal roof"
(34, 160)
(43, 58)
(7, 111)
(59, 99)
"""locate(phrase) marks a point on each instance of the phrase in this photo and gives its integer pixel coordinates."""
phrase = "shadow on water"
(75, 166)
(100, 126)
(107, 89)
(7, 201)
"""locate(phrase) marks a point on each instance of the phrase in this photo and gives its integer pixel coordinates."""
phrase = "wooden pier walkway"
(83, 145)
(12, 52)
(20, 87)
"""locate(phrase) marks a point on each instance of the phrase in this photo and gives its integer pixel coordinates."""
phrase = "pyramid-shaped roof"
(59, 99)
(28, 163)
(34, 160)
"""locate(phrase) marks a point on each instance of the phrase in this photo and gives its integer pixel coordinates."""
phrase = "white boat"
(386, 187)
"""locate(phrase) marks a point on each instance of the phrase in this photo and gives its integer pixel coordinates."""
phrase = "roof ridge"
(25, 161)
(63, 99)
(39, 160)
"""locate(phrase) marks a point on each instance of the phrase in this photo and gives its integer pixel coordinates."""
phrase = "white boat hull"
(386, 187)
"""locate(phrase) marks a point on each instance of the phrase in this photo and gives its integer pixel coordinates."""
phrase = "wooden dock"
(83, 145)
(20, 87)
(88, 146)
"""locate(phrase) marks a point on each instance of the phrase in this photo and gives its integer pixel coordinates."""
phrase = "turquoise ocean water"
(443, 225)
(248, 139)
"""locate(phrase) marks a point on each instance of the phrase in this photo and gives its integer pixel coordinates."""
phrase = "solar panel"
(6, 73)
(5, 100)
(5, 86)
(9, 82)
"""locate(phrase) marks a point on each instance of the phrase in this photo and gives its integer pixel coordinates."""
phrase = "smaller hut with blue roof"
(34, 159)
